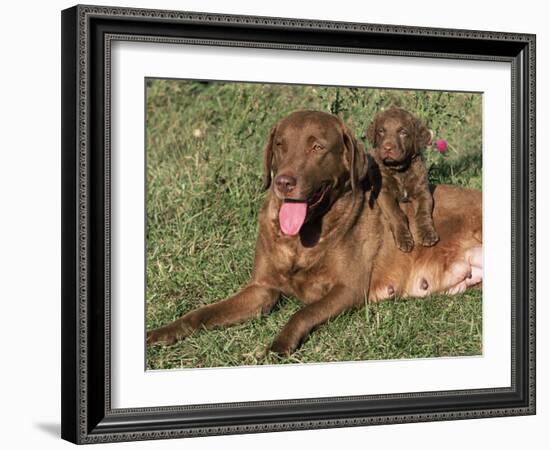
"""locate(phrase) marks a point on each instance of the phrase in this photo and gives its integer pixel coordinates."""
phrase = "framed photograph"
(280, 224)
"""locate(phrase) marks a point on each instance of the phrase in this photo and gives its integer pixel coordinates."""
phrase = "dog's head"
(310, 158)
(396, 136)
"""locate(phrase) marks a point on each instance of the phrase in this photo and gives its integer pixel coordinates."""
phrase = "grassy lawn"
(204, 189)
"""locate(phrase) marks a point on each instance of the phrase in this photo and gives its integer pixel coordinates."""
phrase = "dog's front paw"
(160, 336)
(283, 345)
(428, 237)
(168, 335)
(404, 241)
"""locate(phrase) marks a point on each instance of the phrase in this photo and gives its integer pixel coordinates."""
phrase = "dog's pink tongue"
(291, 217)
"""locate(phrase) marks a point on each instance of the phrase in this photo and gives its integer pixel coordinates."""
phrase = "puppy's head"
(310, 158)
(396, 136)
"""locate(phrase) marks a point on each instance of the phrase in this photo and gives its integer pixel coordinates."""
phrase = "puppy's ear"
(372, 134)
(268, 158)
(355, 158)
(422, 135)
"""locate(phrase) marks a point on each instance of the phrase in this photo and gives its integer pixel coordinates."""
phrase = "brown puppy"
(318, 239)
(398, 139)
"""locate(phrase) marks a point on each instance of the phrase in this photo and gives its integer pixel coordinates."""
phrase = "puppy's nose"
(285, 183)
(388, 149)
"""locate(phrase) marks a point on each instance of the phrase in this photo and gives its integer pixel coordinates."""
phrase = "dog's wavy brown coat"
(344, 252)
(398, 139)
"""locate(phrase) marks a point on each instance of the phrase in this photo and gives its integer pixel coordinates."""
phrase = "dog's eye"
(318, 147)
(380, 130)
(403, 133)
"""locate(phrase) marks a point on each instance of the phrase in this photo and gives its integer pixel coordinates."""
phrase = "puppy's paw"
(428, 237)
(404, 241)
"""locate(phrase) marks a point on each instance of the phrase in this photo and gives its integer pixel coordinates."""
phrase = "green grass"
(204, 189)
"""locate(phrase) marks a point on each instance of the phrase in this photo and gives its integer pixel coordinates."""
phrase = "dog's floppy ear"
(371, 132)
(422, 136)
(355, 157)
(268, 158)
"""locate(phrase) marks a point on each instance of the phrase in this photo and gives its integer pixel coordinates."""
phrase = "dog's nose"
(388, 149)
(285, 183)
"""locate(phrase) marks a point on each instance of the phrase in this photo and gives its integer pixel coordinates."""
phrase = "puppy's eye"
(278, 143)
(403, 133)
(318, 147)
(380, 130)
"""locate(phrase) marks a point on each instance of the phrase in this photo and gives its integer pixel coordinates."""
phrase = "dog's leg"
(427, 235)
(474, 259)
(250, 302)
(445, 270)
(399, 224)
(339, 299)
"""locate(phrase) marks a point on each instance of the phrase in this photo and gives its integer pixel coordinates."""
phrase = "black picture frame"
(87, 416)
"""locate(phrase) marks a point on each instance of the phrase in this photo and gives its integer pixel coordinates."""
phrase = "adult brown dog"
(320, 241)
